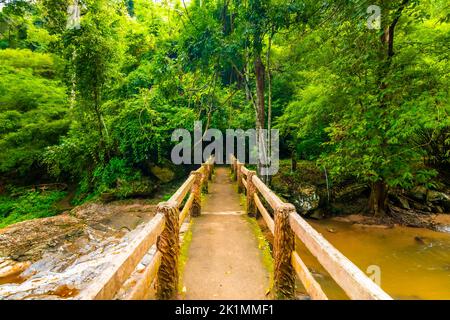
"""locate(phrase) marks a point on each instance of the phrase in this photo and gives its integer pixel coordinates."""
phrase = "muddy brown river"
(414, 263)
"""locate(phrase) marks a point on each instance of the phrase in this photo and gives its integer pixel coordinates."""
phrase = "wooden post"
(169, 246)
(205, 175)
(283, 245)
(239, 178)
(196, 191)
(251, 189)
(210, 171)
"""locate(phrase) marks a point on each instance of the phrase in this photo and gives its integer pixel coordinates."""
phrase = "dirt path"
(224, 261)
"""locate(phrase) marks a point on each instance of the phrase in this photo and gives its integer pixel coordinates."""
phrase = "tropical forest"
(93, 205)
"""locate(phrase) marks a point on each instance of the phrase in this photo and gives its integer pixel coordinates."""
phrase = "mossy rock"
(164, 174)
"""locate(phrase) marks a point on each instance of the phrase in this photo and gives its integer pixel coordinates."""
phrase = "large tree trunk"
(259, 73)
(246, 78)
(260, 110)
(378, 198)
(269, 106)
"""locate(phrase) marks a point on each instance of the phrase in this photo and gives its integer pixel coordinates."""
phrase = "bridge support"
(169, 246)
(196, 191)
(251, 189)
(284, 244)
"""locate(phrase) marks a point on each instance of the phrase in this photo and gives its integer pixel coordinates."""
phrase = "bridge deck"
(224, 261)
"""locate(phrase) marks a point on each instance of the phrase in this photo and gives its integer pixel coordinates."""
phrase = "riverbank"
(315, 195)
(56, 257)
(436, 222)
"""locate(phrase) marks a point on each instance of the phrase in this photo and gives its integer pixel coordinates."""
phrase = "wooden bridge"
(222, 220)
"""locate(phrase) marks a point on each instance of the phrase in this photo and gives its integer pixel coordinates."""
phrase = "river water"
(414, 263)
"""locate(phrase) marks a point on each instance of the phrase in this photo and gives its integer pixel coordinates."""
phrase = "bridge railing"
(163, 231)
(285, 226)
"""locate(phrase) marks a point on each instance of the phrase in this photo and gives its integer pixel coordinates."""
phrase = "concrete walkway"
(224, 261)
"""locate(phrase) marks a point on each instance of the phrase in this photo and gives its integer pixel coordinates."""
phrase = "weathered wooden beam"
(142, 288)
(239, 177)
(201, 169)
(168, 245)
(244, 183)
(267, 218)
(251, 189)
(181, 193)
(349, 277)
(187, 207)
(122, 266)
(210, 171)
(268, 194)
(284, 244)
(312, 287)
(196, 191)
(205, 175)
(244, 171)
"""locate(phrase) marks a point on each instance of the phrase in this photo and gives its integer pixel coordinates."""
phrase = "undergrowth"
(28, 205)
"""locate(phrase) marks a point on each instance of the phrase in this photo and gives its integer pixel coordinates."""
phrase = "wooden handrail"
(311, 285)
(347, 275)
(186, 208)
(244, 183)
(167, 284)
(267, 218)
(268, 194)
(141, 288)
(181, 193)
(123, 266)
(244, 171)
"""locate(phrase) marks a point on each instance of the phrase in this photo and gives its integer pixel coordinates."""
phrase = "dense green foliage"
(96, 105)
(28, 205)
(33, 109)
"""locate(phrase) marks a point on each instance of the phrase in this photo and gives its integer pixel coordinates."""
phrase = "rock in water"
(306, 199)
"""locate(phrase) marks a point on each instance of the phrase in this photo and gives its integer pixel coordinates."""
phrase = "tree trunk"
(379, 190)
(293, 161)
(246, 79)
(269, 106)
(378, 198)
(260, 110)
